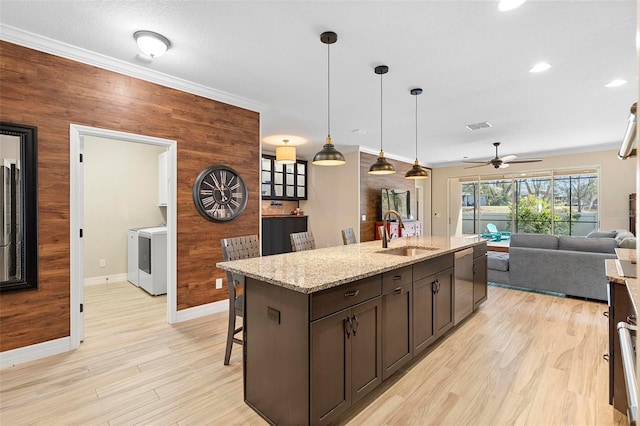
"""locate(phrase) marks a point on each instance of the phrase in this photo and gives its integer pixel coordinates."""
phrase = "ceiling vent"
(478, 126)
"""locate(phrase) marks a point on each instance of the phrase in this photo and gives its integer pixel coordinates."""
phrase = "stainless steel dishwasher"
(463, 285)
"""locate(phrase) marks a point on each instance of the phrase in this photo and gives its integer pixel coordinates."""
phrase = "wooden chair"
(234, 249)
(301, 241)
(348, 236)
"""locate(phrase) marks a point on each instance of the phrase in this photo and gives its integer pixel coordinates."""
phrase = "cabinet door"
(443, 302)
(366, 348)
(423, 331)
(266, 237)
(278, 244)
(330, 366)
(479, 281)
(397, 329)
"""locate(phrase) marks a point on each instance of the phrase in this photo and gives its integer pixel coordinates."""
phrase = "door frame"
(76, 142)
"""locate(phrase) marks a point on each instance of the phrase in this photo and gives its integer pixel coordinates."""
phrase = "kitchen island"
(324, 327)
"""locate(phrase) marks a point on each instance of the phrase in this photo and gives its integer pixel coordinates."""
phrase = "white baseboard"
(33, 352)
(105, 279)
(202, 310)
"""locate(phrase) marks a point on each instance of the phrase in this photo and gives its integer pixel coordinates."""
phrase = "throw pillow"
(628, 243)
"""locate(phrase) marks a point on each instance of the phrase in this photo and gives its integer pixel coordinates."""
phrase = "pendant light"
(328, 155)
(417, 171)
(381, 166)
(285, 154)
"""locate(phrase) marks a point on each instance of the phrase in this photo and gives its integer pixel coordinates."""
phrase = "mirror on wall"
(19, 207)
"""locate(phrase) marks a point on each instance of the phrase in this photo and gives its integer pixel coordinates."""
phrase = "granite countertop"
(314, 270)
(614, 276)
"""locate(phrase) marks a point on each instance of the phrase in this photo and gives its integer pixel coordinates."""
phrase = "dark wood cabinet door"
(479, 281)
(443, 302)
(266, 237)
(276, 231)
(366, 348)
(330, 367)
(423, 331)
(397, 329)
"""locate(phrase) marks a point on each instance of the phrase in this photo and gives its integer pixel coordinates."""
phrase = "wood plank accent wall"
(51, 93)
(370, 191)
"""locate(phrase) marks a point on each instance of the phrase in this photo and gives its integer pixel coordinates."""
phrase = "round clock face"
(219, 194)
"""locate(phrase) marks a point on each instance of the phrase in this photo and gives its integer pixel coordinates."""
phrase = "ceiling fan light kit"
(500, 162)
(417, 171)
(381, 166)
(328, 155)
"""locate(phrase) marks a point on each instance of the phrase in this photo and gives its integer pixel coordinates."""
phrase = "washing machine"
(152, 260)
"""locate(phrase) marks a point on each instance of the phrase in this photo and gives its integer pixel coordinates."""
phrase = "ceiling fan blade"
(476, 162)
(479, 165)
(508, 158)
(526, 160)
(503, 166)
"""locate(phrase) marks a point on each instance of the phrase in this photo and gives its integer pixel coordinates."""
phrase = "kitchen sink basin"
(408, 250)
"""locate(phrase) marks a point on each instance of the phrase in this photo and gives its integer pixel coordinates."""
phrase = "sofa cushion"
(498, 261)
(628, 243)
(595, 245)
(602, 234)
(534, 241)
(621, 234)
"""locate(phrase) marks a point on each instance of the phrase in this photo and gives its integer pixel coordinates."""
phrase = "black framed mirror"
(18, 207)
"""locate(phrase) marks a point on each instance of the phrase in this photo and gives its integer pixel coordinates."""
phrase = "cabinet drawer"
(334, 299)
(396, 278)
(432, 266)
(479, 250)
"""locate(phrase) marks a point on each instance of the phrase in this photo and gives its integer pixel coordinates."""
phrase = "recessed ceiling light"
(615, 83)
(478, 126)
(506, 5)
(539, 67)
(359, 131)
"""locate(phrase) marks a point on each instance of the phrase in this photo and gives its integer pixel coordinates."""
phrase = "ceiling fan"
(501, 162)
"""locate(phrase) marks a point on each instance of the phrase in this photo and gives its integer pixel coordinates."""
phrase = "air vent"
(477, 126)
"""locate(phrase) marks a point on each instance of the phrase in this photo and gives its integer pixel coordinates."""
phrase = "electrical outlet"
(103, 263)
(218, 282)
(364, 217)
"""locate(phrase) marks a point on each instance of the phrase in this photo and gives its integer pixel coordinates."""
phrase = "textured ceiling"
(470, 59)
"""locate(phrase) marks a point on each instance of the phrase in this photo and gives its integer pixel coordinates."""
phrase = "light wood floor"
(524, 358)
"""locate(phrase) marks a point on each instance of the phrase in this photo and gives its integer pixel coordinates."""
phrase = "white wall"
(121, 192)
(334, 200)
(423, 191)
(617, 181)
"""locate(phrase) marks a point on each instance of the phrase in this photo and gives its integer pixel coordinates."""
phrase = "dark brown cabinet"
(276, 231)
(397, 325)
(479, 275)
(432, 301)
(346, 361)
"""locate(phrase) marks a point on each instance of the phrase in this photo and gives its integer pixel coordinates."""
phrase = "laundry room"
(125, 214)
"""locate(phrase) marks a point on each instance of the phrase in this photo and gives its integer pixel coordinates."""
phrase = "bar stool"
(348, 236)
(234, 249)
(301, 241)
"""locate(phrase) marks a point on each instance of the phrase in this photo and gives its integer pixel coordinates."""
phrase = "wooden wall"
(51, 93)
(370, 191)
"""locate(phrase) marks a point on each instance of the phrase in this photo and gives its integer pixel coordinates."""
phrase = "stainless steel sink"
(408, 250)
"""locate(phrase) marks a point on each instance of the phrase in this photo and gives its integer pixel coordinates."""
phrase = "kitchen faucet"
(384, 226)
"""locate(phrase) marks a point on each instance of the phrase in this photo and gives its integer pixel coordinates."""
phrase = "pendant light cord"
(416, 128)
(381, 112)
(328, 91)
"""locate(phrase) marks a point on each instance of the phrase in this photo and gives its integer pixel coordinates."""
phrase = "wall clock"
(220, 194)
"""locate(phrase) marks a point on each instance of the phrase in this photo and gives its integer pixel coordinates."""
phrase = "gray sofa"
(569, 265)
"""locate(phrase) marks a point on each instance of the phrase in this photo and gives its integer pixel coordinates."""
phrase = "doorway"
(77, 219)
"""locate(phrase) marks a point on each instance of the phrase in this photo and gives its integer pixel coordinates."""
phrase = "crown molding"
(54, 47)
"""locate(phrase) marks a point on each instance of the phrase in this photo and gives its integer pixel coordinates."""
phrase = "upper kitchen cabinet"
(283, 181)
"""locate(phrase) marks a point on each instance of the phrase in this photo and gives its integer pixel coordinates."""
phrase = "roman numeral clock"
(220, 194)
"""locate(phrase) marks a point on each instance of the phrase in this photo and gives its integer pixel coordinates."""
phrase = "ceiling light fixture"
(285, 154)
(328, 155)
(381, 166)
(506, 5)
(417, 171)
(539, 67)
(152, 44)
(616, 83)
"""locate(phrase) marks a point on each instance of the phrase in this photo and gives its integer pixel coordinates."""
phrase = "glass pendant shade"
(285, 154)
(381, 166)
(328, 156)
(416, 172)
(152, 44)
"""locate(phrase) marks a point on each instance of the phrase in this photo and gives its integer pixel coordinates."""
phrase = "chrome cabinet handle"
(397, 290)
(351, 293)
(355, 319)
(434, 286)
(348, 325)
(397, 277)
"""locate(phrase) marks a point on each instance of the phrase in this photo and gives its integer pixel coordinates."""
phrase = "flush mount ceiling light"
(285, 154)
(328, 155)
(506, 5)
(381, 166)
(539, 67)
(616, 83)
(417, 171)
(152, 44)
